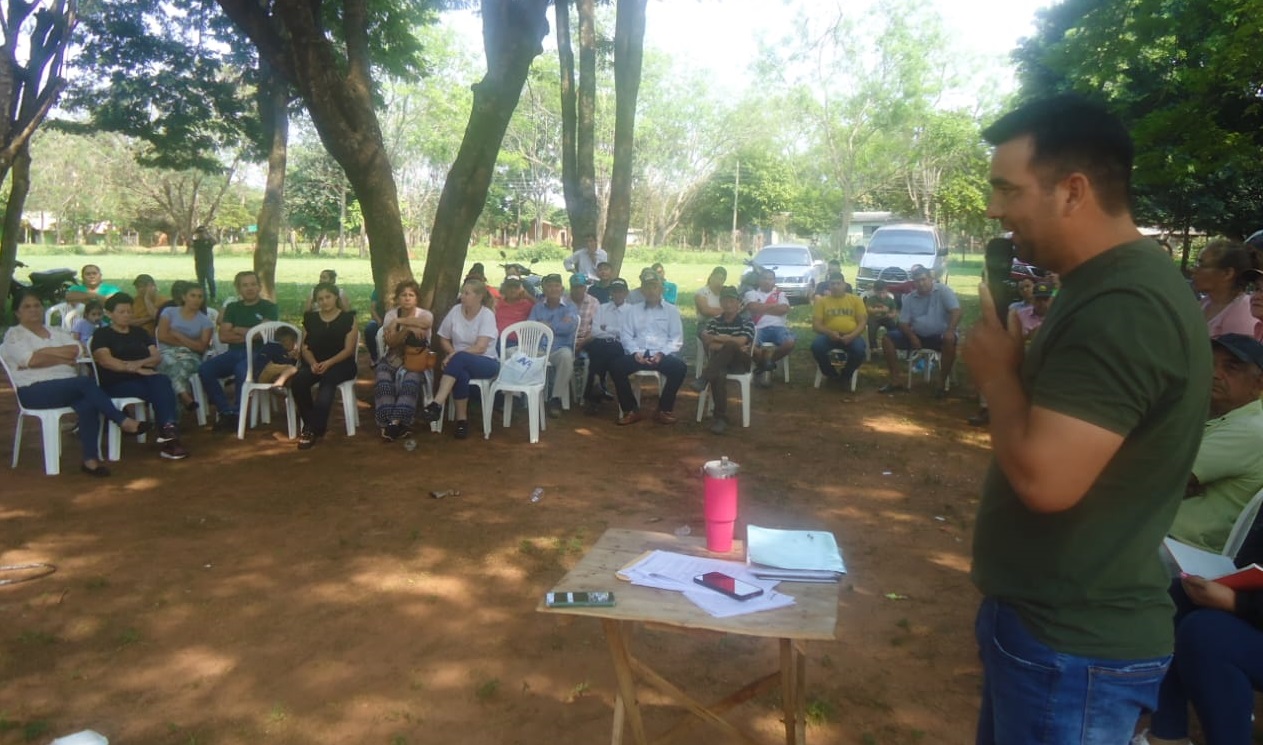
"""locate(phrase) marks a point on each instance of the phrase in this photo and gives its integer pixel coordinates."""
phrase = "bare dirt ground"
(257, 594)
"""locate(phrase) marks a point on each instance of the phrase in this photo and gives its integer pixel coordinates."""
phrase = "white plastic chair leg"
(350, 412)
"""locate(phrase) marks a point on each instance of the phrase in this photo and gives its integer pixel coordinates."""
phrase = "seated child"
(279, 359)
(91, 320)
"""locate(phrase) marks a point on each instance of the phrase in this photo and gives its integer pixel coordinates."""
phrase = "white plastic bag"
(522, 369)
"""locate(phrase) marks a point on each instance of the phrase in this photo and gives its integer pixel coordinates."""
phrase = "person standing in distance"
(204, 260)
(1094, 428)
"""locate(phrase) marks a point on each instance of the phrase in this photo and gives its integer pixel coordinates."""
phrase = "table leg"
(793, 685)
(619, 717)
(616, 634)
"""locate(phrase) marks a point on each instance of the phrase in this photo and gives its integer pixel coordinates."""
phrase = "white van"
(894, 249)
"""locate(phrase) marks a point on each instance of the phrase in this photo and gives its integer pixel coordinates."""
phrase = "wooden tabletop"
(814, 614)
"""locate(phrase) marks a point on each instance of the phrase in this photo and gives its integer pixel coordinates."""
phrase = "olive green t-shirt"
(245, 316)
(1124, 347)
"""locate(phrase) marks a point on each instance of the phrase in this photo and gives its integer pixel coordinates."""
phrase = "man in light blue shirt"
(927, 320)
(563, 319)
(585, 260)
(652, 335)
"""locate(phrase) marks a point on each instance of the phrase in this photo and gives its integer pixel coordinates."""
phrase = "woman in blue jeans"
(468, 337)
(1218, 659)
(127, 361)
(41, 361)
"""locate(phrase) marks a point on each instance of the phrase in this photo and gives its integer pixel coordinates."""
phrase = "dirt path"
(253, 593)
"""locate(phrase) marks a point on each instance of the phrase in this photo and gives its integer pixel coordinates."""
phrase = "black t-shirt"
(127, 347)
(327, 338)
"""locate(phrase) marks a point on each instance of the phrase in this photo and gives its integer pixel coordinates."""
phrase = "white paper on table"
(794, 549)
(720, 605)
(667, 570)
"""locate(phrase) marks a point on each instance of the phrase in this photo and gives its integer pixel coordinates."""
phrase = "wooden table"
(813, 616)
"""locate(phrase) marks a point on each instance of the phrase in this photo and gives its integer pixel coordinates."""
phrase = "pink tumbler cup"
(719, 484)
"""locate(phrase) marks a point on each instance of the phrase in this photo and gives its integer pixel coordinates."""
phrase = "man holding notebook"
(1093, 428)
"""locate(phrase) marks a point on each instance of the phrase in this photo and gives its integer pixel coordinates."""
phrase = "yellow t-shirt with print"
(841, 314)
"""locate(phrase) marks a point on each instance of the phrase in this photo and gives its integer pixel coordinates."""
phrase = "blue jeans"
(1218, 666)
(855, 353)
(153, 389)
(1034, 695)
(231, 362)
(465, 367)
(87, 399)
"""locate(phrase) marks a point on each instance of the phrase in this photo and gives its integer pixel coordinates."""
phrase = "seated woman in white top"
(397, 389)
(184, 334)
(468, 338)
(42, 363)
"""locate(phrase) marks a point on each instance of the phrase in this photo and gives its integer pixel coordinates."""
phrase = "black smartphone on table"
(730, 586)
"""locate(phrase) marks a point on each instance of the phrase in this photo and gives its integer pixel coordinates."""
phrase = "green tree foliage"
(1186, 76)
(757, 181)
(317, 194)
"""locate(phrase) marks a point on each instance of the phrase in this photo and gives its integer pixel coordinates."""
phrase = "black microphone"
(999, 264)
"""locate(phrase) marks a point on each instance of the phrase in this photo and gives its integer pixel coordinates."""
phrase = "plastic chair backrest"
(1241, 528)
(9, 374)
(263, 333)
(533, 338)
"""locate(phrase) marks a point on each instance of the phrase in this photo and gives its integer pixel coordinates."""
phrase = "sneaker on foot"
(166, 433)
(226, 422)
(432, 412)
(306, 440)
(173, 450)
(462, 429)
(554, 408)
(719, 426)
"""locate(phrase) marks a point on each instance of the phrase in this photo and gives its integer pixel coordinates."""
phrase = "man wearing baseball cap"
(605, 346)
(727, 338)
(1228, 470)
(586, 305)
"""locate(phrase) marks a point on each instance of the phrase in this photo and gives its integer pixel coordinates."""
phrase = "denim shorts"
(1034, 695)
(777, 335)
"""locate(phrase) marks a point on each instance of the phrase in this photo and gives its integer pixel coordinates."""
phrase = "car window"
(769, 256)
(902, 242)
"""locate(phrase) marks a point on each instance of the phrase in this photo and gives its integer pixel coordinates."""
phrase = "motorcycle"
(530, 280)
(49, 285)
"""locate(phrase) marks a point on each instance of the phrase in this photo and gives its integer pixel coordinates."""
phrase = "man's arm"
(1050, 459)
(570, 261)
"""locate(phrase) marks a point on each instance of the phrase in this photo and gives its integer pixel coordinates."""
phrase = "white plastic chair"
(782, 362)
(49, 421)
(263, 333)
(114, 433)
(534, 339)
(65, 313)
(705, 402)
(196, 389)
(635, 380)
(932, 360)
(855, 376)
(1241, 528)
(346, 392)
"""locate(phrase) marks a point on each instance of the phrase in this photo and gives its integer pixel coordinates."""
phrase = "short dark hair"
(406, 284)
(117, 299)
(92, 305)
(1073, 135)
(236, 280)
(284, 332)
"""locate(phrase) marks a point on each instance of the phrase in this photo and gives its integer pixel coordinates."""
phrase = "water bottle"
(409, 444)
(918, 365)
(537, 493)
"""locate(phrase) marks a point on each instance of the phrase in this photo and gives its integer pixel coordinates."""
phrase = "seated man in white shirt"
(652, 335)
(584, 260)
(769, 307)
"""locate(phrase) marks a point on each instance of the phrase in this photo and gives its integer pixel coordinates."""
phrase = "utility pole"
(736, 190)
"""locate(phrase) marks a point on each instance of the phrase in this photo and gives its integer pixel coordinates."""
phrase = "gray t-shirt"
(928, 314)
(191, 328)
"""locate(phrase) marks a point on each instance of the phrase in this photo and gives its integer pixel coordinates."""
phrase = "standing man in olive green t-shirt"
(1094, 429)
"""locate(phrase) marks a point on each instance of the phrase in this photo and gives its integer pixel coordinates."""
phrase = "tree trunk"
(629, 43)
(274, 111)
(291, 36)
(578, 117)
(513, 33)
(19, 186)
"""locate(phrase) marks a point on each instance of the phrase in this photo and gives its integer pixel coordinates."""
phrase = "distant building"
(863, 224)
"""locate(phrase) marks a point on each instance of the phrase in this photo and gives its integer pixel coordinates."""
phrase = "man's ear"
(1074, 192)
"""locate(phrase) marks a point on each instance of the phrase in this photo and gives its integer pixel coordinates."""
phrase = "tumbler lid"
(721, 469)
